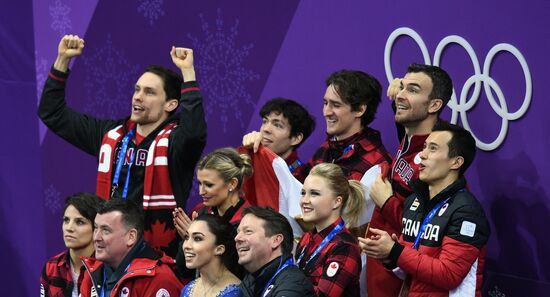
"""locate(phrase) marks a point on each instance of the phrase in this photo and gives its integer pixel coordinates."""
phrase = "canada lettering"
(139, 159)
(410, 228)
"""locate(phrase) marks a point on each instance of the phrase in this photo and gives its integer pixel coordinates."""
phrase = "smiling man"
(148, 157)
(349, 106)
(419, 99)
(124, 264)
(442, 249)
(264, 244)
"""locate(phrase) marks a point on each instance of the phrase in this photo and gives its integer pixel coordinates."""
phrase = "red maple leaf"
(333, 266)
(159, 236)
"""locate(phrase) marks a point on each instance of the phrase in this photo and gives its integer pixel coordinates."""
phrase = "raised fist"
(182, 57)
(70, 46)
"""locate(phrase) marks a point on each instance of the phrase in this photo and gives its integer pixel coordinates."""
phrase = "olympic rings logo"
(480, 77)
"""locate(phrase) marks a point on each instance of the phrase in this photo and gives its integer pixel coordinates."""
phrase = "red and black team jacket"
(148, 274)
(233, 214)
(451, 255)
(56, 279)
(335, 271)
(186, 142)
(355, 155)
(380, 281)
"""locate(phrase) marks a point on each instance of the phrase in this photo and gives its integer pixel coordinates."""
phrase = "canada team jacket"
(451, 254)
(146, 276)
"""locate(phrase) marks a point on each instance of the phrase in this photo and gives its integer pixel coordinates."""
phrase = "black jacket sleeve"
(81, 130)
(189, 139)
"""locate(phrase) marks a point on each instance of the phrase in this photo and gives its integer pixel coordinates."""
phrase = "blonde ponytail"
(355, 203)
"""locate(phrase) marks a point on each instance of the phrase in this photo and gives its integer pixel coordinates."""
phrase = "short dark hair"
(357, 88)
(132, 214)
(462, 143)
(299, 119)
(86, 204)
(274, 223)
(442, 85)
(172, 81)
(225, 235)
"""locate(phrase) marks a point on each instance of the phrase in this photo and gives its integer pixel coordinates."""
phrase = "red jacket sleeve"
(447, 270)
(392, 211)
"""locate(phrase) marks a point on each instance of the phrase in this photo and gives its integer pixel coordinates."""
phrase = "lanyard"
(322, 245)
(288, 262)
(295, 165)
(120, 162)
(427, 219)
(102, 294)
(347, 149)
(344, 153)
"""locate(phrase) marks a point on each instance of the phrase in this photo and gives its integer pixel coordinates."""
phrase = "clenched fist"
(69, 47)
(183, 59)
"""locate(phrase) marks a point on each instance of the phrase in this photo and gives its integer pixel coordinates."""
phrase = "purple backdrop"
(248, 52)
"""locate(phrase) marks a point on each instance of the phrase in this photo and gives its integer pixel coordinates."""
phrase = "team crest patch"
(162, 293)
(124, 292)
(332, 269)
(417, 159)
(415, 204)
(268, 290)
(443, 209)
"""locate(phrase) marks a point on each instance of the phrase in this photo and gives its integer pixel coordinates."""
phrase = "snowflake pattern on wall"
(42, 70)
(151, 9)
(52, 199)
(109, 82)
(61, 23)
(223, 75)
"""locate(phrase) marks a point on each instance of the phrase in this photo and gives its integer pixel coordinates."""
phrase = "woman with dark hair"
(209, 247)
(62, 274)
(329, 254)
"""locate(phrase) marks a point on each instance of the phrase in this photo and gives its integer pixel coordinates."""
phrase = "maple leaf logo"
(159, 236)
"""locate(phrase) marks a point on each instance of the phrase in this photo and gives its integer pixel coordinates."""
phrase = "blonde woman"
(329, 254)
(220, 175)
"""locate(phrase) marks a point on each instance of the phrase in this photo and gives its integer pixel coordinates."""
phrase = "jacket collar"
(421, 190)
